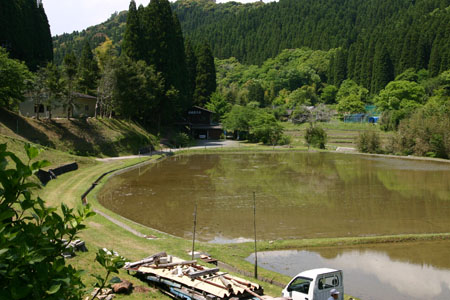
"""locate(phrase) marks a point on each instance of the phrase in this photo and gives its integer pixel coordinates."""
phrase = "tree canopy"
(25, 32)
(13, 77)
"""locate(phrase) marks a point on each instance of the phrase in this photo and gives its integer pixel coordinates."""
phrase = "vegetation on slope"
(95, 137)
(368, 32)
(293, 86)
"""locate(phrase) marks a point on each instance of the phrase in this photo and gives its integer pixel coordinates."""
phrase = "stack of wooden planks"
(187, 280)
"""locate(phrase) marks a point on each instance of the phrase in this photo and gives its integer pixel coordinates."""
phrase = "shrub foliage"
(32, 236)
(316, 137)
(369, 142)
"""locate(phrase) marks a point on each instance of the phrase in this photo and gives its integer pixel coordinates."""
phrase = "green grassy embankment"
(86, 137)
(101, 232)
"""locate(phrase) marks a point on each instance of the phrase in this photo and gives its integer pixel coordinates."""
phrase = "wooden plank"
(146, 260)
(217, 275)
(181, 263)
(203, 273)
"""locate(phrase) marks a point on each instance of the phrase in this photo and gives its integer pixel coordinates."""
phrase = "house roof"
(206, 126)
(75, 94)
(80, 95)
(201, 108)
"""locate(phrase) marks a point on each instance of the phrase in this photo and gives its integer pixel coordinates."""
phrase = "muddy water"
(298, 195)
(394, 271)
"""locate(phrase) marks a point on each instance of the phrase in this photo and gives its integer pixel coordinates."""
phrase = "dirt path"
(120, 224)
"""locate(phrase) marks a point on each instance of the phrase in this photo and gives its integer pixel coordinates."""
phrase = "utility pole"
(254, 227)
(195, 225)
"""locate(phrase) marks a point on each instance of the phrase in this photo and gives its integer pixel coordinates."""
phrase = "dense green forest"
(25, 33)
(396, 34)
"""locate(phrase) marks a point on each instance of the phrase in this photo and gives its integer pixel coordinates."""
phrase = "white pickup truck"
(315, 284)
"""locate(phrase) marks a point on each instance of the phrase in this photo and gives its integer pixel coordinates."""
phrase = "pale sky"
(70, 15)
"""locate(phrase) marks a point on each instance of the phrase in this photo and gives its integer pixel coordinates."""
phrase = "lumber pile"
(185, 279)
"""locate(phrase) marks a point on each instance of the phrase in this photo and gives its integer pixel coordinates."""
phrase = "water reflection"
(371, 272)
(298, 195)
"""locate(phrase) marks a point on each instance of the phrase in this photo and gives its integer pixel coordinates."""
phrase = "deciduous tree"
(13, 77)
(70, 72)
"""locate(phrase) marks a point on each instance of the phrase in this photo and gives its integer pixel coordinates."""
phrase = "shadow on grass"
(84, 137)
(23, 128)
(76, 143)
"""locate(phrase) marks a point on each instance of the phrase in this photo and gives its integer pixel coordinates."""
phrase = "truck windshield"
(300, 284)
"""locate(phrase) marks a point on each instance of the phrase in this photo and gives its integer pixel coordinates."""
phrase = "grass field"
(340, 134)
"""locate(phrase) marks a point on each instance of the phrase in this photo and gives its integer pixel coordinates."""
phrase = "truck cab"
(315, 284)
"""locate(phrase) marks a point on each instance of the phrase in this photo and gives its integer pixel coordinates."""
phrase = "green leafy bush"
(32, 236)
(284, 140)
(369, 142)
(112, 262)
(316, 137)
(424, 135)
(265, 128)
(181, 139)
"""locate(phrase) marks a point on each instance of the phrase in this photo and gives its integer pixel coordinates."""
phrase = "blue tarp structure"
(355, 118)
(370, 116)
(373, 120)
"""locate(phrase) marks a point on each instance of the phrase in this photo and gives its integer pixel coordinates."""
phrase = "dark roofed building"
(200, 124)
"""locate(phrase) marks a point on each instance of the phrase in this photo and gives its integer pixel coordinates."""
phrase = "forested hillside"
(395, 35)
(24, 32)
(289, 59)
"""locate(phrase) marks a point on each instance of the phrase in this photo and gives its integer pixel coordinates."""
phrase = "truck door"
(327, 282)
(300, 288)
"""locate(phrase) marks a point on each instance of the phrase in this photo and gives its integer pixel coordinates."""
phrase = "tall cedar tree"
(205, 82)
(88, 72)
(25, 32)
(191, 64)
(131, 44)
(435, 58)
(178, 69)
(383, 70)
(153, 34)
(340, 67)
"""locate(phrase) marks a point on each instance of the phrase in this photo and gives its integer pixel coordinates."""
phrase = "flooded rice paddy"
(298, 195)
(419, 270)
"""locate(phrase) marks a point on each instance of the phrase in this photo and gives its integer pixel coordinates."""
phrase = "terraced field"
(340, 134)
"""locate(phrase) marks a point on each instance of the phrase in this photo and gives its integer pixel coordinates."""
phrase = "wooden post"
(195, 225)
(254, 227)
